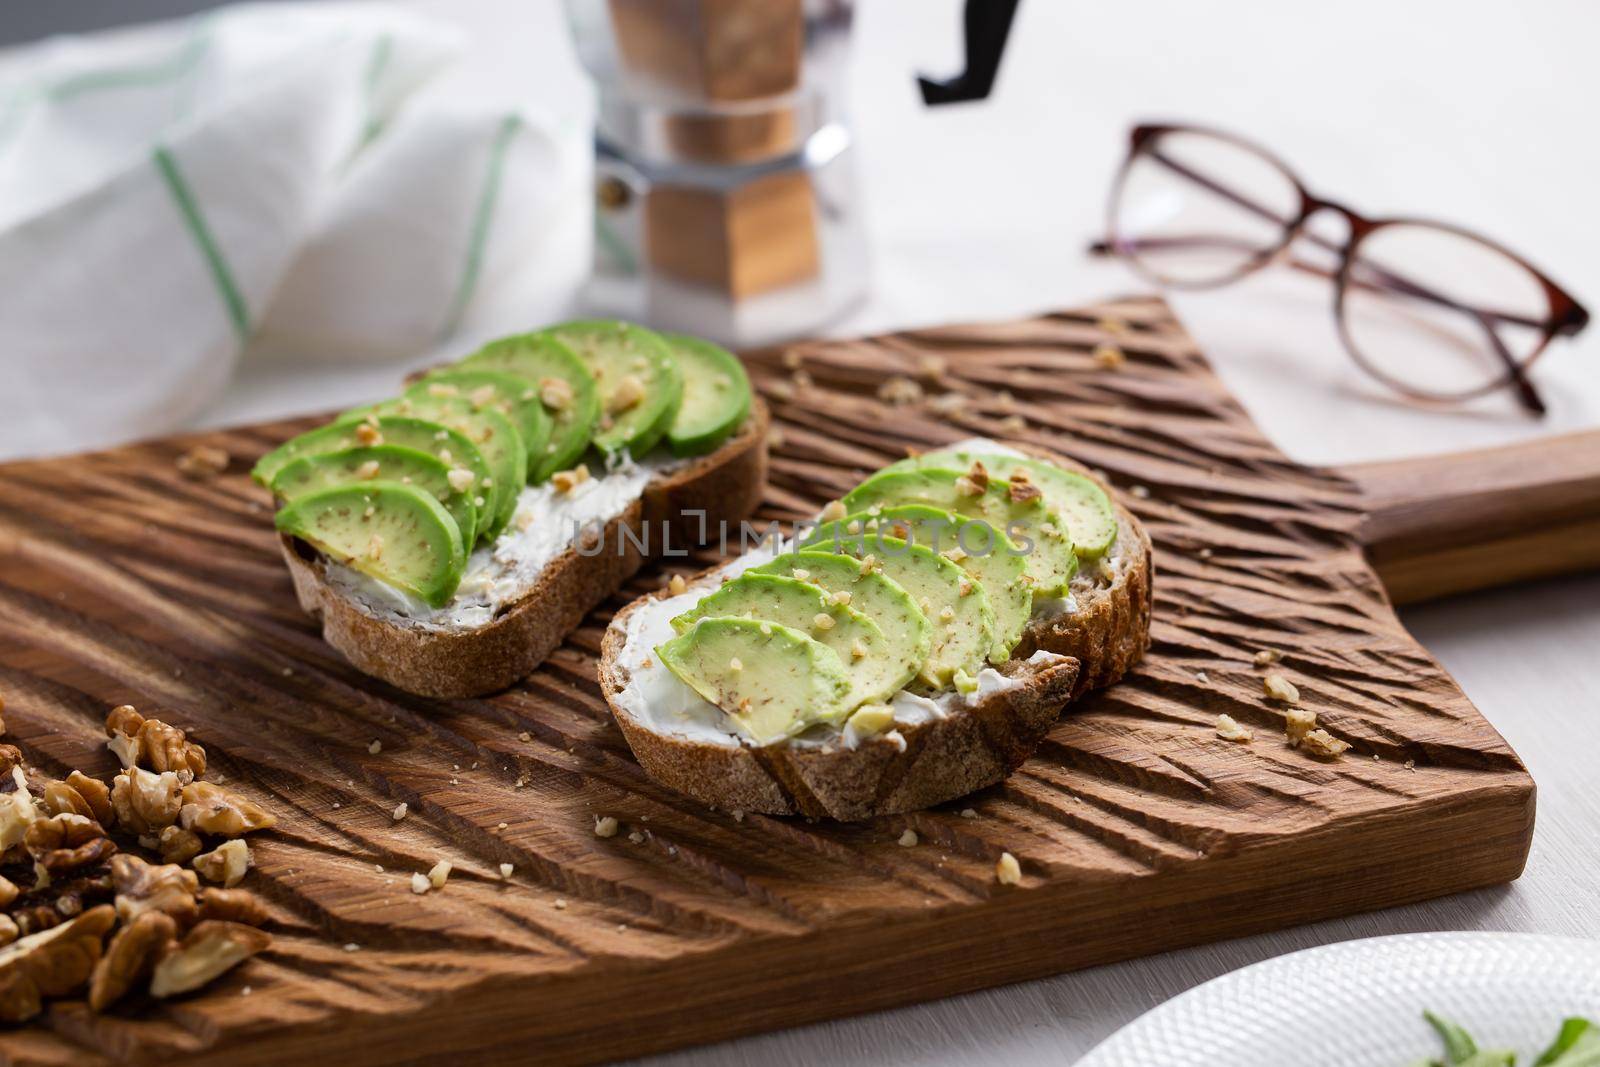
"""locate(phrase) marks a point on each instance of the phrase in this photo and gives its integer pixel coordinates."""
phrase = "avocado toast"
(911, 645)
(449, 538)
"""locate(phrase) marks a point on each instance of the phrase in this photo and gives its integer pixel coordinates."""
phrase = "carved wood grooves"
(1138, 829)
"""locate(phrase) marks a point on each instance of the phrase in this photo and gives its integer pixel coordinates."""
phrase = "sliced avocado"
(574, 406)
(1037, 530)
(449, 446)
(514, 398)
(633, 416)
(491, 432)
(989, 557)
(874, 594)
(716, 395)
(875, 672)
(1087, 509)
(772, 680)
(392, 463)
(963, 621)
(397, 533)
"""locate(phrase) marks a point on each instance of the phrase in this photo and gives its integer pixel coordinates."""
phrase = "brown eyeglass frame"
(1567, 317)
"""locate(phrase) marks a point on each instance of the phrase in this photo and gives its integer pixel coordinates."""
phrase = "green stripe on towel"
(480, 223)
(167, 166)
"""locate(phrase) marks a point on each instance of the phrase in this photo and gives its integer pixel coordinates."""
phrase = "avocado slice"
(875, 672)
(1048, 558)
(514, 398)
(774, 681)
(989, 557)
(963, 621)
(574, 406)
(449, 446)
(1087, 509)
(633, 416)
(489, 431)
(397, 533)
(392, 463)
(874, 594)
(716, 396)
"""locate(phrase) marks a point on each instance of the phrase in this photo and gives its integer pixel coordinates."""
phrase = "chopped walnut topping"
(556, 393)
(869, 564)
(211, 949)
(859, 650)
(627, 395)
(375, 546)
(1297, 724)
(1229, 729)
(1008, 871)
(1323, 745)
(1022, 491)
(842, 597)
(482, 396)
(211, 809)
(226, 863)
(367, 434)
(1109, 356)
(461, 479)
(399, 811)
(567, 481)
(900, 391)
(506, 869)
(833, 511)
(907, 839)
(420, 883)
(822, 621)
(1277, 687)
(442, 389)
(368, 470)
(735, 664)
(130, 957)
(676, 586)
(203, 461)
(605, 826)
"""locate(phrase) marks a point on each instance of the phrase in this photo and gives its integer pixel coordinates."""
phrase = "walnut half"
(130, 957)
(212, 948)
(143, 887)
(51, 963)
(211, 809)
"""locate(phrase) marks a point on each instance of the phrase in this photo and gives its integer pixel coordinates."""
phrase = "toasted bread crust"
(726, 484)
(942, 759)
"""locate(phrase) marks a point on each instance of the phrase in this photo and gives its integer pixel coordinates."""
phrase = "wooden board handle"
(1450, 524)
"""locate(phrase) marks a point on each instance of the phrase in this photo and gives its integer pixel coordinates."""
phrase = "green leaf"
(1458, 1044)
(1577, 1045)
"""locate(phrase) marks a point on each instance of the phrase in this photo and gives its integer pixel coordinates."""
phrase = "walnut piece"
(203, 461)
(234, 905)
(1297, 723)
(1278, 687)
(9, 931)
(1323, 745)
(167, 748)
(178, 845)
(17, 811)
(130, 957)
(146, 802)
(213, 810)
(8, 891)
(143, 887)
(51, 963)
(226, 863)
(79, 795)
(66, 842)
(212, 948)
(1230, 729)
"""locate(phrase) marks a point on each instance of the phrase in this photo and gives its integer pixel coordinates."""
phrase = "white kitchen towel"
(169, 192)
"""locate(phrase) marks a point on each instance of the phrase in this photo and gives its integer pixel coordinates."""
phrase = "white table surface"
(1480, 113)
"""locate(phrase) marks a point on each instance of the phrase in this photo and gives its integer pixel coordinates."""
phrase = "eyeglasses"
(1432, 310)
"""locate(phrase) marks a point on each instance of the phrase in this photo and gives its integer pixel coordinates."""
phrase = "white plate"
(1360, 1003)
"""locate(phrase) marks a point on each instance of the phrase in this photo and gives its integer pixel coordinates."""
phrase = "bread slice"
(724, 485)
(1061, 656)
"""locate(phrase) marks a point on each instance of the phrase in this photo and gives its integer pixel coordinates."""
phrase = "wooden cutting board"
(1137, 828)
